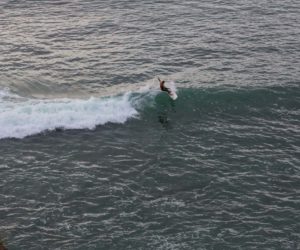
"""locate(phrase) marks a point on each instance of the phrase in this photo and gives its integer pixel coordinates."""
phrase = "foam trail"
(21, 119)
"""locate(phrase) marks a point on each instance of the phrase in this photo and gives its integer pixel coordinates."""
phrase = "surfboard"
(173, 95)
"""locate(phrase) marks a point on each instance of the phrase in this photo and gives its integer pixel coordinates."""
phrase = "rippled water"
(93, 156)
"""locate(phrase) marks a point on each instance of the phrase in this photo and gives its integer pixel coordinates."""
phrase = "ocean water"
(94, 156)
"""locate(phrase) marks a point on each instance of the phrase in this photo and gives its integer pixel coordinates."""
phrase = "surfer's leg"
(166, 89)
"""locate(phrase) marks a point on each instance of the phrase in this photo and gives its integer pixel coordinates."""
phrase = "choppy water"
(94, 156)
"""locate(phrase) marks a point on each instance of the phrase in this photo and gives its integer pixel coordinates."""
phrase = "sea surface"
(94, 156)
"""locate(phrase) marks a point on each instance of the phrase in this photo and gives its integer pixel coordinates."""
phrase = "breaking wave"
(19, 119)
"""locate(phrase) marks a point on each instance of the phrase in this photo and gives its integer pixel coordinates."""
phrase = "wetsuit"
(163, 88)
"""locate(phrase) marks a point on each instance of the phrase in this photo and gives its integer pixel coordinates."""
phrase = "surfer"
(162, 86)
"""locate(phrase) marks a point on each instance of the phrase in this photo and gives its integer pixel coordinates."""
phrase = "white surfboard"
(173, 95)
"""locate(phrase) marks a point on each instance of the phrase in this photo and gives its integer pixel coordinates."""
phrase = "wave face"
(22, 118)
(221, 101)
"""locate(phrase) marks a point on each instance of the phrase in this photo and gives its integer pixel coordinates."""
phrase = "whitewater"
(20, 118)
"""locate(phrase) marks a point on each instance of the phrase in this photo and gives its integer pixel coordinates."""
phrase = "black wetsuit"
(163, 88)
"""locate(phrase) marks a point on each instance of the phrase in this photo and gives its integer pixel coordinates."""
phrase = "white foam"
(6, 94)
(20, 119)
